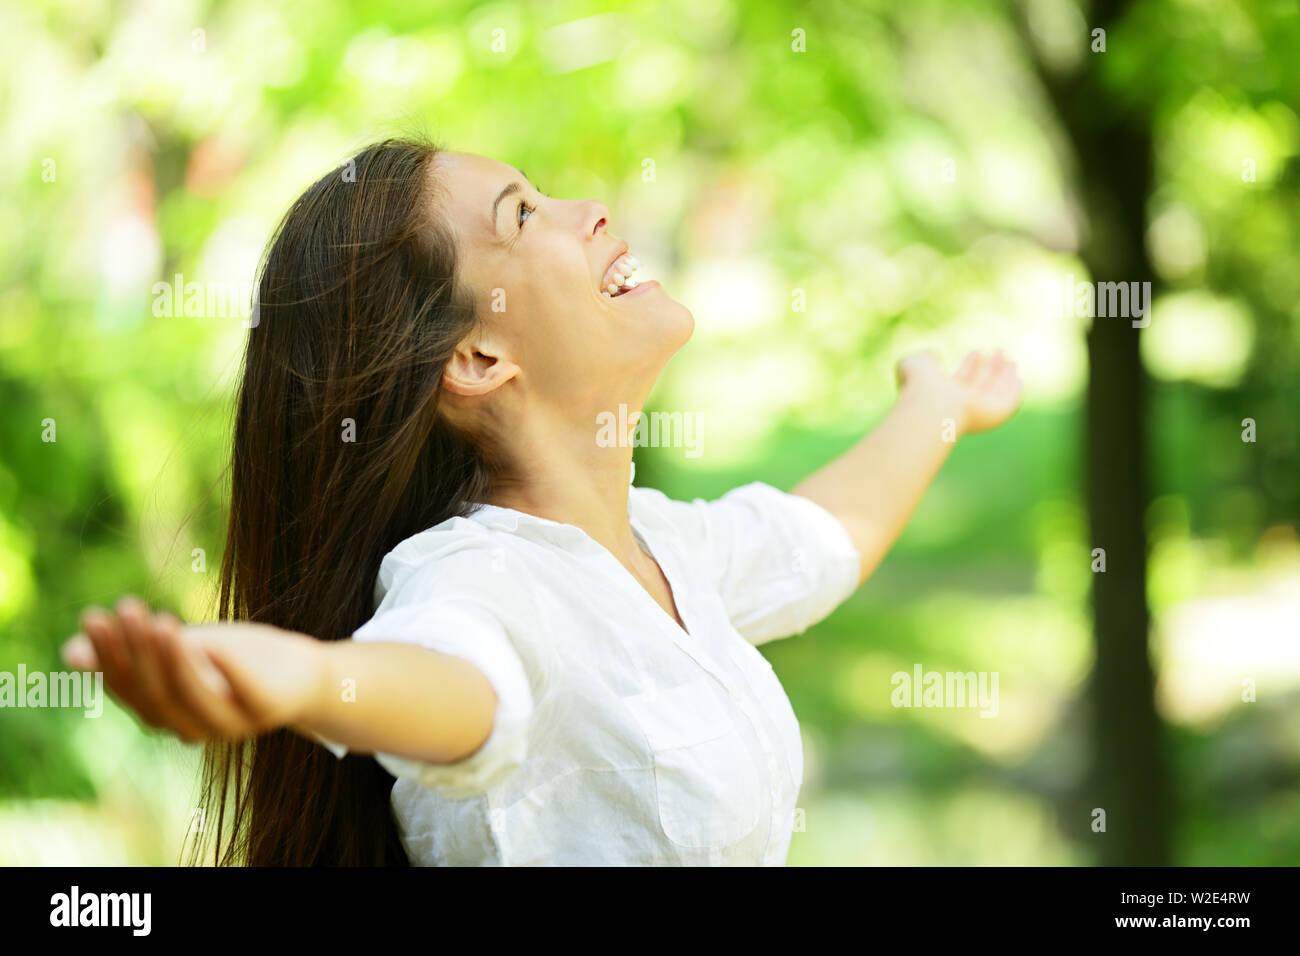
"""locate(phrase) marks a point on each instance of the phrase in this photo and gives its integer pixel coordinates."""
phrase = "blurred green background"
(827, 186)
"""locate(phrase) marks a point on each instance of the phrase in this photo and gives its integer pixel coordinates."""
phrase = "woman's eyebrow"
(512, 188)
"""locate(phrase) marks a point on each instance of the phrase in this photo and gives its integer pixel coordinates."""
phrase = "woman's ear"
(474, 370)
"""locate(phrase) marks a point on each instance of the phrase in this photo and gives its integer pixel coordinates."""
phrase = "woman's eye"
(524, 207)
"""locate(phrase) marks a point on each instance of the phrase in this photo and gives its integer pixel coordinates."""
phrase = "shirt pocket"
(708, 787)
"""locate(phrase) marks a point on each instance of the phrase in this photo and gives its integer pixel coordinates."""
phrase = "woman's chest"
(628, 670)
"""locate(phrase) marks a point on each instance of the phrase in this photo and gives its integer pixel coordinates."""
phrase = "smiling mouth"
(618, 277)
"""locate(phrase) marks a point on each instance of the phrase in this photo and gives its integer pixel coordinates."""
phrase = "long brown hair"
(339, 453)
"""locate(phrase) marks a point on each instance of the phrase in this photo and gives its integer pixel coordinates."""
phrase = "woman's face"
(535, 266)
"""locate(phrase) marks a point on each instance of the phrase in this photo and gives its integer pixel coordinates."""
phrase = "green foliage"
(774, 170)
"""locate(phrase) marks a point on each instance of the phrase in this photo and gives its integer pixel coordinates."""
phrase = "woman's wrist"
(938, 400)
(303, 699)
(315, 706)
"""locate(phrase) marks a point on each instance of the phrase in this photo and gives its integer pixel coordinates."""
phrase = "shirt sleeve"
(780, 562)
(462, 629)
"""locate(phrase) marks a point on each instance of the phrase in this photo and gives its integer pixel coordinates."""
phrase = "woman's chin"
(675, 320)
(688, 324)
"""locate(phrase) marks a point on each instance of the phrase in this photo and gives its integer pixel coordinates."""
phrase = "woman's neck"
(564, 475)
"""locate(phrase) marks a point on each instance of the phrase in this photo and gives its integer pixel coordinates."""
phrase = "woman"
(546, 664)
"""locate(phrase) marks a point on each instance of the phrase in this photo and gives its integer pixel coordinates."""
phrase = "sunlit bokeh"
(903, 183)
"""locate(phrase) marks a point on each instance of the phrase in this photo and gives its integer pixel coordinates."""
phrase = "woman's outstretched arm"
(234, 680)
(875, 486)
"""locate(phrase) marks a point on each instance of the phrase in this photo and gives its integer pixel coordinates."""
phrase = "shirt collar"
(510, 519)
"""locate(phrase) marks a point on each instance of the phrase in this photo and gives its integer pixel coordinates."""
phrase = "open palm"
(225, 680)
(983, 392)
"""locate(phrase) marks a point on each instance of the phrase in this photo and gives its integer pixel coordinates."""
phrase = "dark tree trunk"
(1128, 776)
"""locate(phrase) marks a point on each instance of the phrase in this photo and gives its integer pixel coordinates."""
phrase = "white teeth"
(619, 278)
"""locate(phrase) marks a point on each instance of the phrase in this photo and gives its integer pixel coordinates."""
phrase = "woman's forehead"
(471, 183)
(472, 165)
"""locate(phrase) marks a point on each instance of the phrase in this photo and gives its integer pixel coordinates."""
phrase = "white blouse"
(619, 739)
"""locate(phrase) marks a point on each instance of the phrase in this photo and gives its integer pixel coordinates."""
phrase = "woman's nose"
(598, 218)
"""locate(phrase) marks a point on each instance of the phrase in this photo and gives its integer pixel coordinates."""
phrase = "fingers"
(79, 652)
(136, 653)
(983, 372)
(231, 668)
(1010, 385)
(1003, 377)
(185, 706)
(105, 635)
(150, 692)
(966, 370)
(993, 390)
(992, 373)
(191, 650)
(196, 684)
(989, 371)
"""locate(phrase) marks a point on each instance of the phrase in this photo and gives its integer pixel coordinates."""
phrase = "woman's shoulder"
(692, 517)
(459, 557)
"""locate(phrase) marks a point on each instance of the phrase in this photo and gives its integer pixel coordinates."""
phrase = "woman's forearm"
(400, 699)
(231, 680)
(875, 486)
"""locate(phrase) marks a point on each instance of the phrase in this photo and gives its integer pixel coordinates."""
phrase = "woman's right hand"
(225, 681)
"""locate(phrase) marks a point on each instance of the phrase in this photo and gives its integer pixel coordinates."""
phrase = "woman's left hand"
(982, 394)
